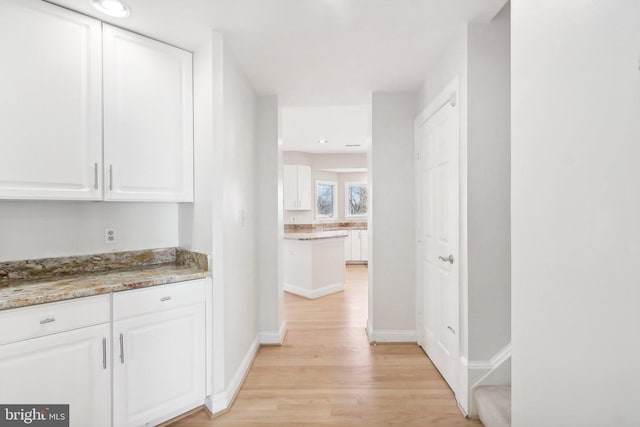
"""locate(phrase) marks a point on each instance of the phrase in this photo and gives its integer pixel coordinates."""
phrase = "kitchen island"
(314, 263)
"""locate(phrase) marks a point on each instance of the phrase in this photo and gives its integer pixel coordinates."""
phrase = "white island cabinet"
(159, 353)
(314, 264)
(59, 353)
(50, 103)
(148, 119)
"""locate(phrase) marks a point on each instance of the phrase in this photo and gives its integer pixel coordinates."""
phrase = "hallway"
(326, 373)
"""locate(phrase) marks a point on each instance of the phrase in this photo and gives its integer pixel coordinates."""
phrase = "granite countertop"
(25, 283)
(316, 235)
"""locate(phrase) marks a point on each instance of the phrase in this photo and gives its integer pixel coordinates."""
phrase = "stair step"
(494, 405)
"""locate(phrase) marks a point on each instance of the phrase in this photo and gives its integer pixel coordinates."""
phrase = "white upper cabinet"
(297, 187)
(148, 119)
(50, 103)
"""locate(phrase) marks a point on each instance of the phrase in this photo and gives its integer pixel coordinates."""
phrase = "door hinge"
(418, 156)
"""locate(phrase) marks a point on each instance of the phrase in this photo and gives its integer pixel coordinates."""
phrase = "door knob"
(448, 259)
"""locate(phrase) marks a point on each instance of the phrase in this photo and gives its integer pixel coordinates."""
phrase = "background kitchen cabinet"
(159, 354)
(297, 187)
(57, 354)
(50, 103)
(148, 119)
(356, 246)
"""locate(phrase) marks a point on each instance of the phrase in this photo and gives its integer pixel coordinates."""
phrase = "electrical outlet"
(110, 235)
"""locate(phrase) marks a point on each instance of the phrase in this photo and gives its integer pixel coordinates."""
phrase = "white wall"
(196, 219)
(239, 215)
(41, 229)
(391, 224)
(575, 210)
(270, 274)
(488, 186)
(224, 219)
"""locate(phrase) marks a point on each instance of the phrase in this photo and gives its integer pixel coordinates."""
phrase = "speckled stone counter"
(30, 282)
(316, 235)
(328, 226)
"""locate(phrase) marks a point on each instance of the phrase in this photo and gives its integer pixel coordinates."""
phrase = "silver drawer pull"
(121, 349)
(163, 299)
(47, 320)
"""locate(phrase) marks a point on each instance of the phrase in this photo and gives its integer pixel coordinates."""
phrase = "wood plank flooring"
(327, 374)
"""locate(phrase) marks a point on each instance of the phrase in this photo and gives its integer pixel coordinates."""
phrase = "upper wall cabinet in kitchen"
(148, 119)
(297, 187)
(50, 103)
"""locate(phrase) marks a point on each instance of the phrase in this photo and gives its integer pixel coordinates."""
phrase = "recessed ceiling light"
(111, 7)
(322, 141)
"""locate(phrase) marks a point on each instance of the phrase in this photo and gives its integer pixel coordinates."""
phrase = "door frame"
(449, 95)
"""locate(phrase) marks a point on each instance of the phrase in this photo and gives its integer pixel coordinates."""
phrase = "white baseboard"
(477, 372)
(393, 336)
(274, 337)
(316, 293)
(221, 401)
(217, 402)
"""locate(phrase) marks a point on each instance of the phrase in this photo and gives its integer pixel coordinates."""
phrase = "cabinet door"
(148, 119)
(50, 103)
(290, 186)
(304, 187)
(158, 365)
(66, 368)
(347, 247)
(364, 245)
(355, 245)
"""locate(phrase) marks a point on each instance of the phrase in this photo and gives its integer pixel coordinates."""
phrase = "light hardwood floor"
(327, 374)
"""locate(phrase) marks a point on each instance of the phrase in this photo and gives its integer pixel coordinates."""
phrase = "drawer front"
(157, 298)
(30, 322)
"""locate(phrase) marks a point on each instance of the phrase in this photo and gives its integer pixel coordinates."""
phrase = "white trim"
(347, 184)
(274, 337)
(400, 335)
(315, 293)
(221, 401)
(335, 200)
(217, 402)
(243, 369)
(473, 373)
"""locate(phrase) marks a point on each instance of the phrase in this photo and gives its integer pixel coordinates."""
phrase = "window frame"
(348, 184)
(334, 215)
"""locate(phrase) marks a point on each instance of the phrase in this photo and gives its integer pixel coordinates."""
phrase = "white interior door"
(438, 241)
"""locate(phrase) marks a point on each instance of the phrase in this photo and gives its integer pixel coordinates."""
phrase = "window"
(355, 204)
(326, 199)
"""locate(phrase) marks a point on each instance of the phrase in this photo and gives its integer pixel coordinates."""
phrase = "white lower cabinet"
(356, 246)
(159, 356)
(71, 367)
(148, 343)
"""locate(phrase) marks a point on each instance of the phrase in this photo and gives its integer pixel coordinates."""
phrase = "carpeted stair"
(494, 405)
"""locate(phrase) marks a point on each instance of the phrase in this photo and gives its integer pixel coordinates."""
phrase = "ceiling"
(344, 128)
(313, 52)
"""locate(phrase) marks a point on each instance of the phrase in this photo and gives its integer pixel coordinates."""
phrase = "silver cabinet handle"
(165, 299)
(121, 349)
(448, 259)
(104, 353)
(95, 176)
(110, 177)
(451, 329)
(47, 320)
